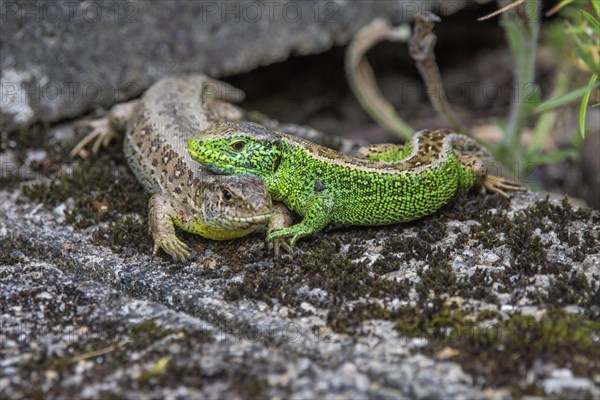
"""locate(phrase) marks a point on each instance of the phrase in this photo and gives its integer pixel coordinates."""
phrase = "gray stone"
(81, 319)
(571, 387)
(225, 345)
(61, 59)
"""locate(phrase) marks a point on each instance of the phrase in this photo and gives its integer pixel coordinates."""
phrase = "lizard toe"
(101, 135)
(295, 238)
(496, 184)
(281, 243)
(175, 248)
(277, 234)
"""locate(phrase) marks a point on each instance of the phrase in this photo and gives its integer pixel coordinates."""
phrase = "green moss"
(472, 206)
(128, 236)
(243, 378)
(500, 355)
(355, 292)
(569, 288)
(487, 314)
(433, 322)
(344, 276)
(6, 259)
(432, 230)
(462, 239)
(477, 286)
(529, 253)
(9, 180)
(102, 190)
(438, 277)
(397, 250)
(7, 253)
(504, 354)
(250, 386)
(590, 243)
(428, 321)
(23, 138)
(146, 332)
(349, 319)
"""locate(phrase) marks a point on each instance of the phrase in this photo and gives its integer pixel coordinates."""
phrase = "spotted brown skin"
(185, 194)
(323, 186)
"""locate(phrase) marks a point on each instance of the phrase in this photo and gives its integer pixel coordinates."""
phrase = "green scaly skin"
(323, 186)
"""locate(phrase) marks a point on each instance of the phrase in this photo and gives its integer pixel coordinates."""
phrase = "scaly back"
(171, 112)
(428, 149)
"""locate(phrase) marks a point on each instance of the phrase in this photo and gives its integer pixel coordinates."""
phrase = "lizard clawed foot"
(497, 184)
(102, 133)
(278, 244)
(283, 235)
(172, 246)
(282, 219)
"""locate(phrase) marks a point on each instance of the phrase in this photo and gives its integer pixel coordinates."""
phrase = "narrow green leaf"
(584, 104)
(584, 53)
(593, 21)
(545, 123)
(543, 128)
(564, 99)
(596, 5)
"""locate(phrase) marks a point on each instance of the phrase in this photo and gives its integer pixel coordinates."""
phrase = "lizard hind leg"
(473, 172)
(224, 111)
(497, 184)
(103, 130)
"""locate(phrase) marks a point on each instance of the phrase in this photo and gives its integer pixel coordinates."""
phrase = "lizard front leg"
(164, 214)
(282, 218)
(317, 217)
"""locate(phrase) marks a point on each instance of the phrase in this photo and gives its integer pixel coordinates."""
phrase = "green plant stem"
(522, 37)
(584, 104)
(567, 98)
(547, 119)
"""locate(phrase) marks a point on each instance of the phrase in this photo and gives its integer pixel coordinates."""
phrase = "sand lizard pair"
(385, 184)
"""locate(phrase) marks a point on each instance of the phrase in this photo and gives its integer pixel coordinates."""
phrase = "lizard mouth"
(262, 218)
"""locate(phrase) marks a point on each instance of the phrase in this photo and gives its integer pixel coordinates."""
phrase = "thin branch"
(362, 80)
(420, 47)
(99, 352)
(502, 10)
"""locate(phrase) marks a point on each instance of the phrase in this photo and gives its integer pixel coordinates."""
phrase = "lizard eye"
(238, 146)
(226, 195)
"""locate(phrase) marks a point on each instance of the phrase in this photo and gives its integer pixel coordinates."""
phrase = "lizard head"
(237, 148)
(235, 206)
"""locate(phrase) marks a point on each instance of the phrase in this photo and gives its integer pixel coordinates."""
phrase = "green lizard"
(394, 185)
(185, 194)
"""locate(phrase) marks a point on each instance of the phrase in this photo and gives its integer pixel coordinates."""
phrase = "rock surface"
(61, 59)
(485, 299)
